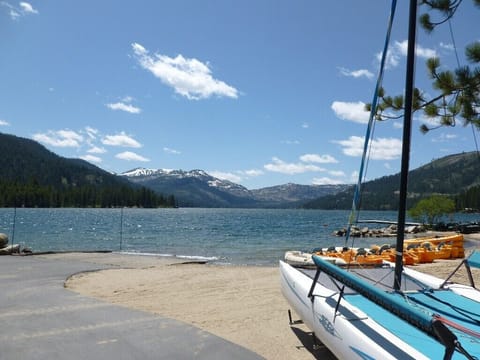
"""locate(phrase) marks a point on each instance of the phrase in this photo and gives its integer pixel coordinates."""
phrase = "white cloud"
(91, 158)
(60, 138)
(254, 172)
(281, 166)
(381, 149)
(124, 107)
(226, 176)
(443, 137)
(305, 125)
(392, 60)
(28, 8)
(326, 181)
(15, 13)
(91, 132)
(356, 73)
(337, 173)
(121, 139)
(171, 151)
(131, 156)
(321, 159)
(188, 77)
(352, 111)
(96, 150)
(428, 120)
(399, 48)
(420, 51)
(448, 47)
(397, 125)
(354, 176)
(4, 123)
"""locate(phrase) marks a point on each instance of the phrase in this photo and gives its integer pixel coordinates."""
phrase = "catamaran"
(388, 312)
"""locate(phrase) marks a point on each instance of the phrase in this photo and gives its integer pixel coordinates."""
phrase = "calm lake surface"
(226, 236)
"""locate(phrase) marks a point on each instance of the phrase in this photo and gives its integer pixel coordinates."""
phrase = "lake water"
(226, 236)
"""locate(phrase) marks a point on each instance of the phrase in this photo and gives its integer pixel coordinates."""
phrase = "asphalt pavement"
(40, 319)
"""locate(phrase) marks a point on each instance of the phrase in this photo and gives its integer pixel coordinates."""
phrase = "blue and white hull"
(357, 328)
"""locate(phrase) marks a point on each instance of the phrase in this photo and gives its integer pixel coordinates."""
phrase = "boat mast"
(407, 132)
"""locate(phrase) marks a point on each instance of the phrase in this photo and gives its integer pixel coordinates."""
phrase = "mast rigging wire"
(354, 214)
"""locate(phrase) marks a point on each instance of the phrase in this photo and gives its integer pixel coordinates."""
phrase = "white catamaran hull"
(351, 334)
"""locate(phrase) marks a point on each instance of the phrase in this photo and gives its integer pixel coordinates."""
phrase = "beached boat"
(304, 259)
(451, 239)
(371, 321)
(351, 256)
(388, 312)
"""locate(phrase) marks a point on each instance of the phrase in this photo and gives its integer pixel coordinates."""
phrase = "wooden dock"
(373, 221)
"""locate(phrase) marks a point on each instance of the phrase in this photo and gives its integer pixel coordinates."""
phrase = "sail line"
(354, 214)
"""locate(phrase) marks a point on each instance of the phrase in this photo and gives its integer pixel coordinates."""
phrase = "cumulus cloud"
(121, 139)
(91, 158)
(321, 159)
(23, 9)
(352, 111)
(124, 107)
(237, 176)
(381, 148)
(91, 132)
(131, 156)
(96, 150)
(254, 172)
(27, 8)
(392, 60)
(60, 138)
(399, 49)
(280, 166)
(356, 73)
(420, 51)
(188, 77)
(4, 123)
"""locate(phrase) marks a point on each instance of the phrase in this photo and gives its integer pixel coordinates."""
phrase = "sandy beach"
(243, 304)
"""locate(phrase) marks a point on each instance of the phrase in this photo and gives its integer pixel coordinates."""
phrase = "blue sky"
(258, 92)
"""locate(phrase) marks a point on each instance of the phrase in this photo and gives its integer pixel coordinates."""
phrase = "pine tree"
(458, 90)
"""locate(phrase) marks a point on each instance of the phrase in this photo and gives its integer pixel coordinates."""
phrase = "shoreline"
(242, 304)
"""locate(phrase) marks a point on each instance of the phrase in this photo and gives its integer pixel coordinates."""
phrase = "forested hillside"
(33, 176)
(457, 176)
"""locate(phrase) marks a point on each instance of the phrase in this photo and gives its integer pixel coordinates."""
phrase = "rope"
(457, 326)
(458, 64)
(353, 218)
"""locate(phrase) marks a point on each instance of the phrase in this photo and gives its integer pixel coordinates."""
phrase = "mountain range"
(197, 188)
(41, 173)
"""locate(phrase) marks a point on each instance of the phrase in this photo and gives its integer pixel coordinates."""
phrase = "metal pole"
(407, 132)
(121, 228)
